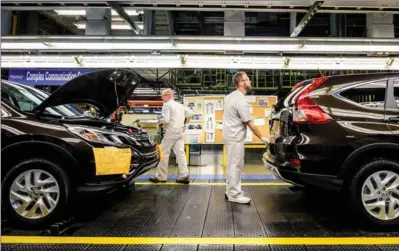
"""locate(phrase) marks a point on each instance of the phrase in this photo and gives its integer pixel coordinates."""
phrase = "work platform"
(171, 216)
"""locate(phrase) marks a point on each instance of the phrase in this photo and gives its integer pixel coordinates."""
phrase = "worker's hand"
(265, 140)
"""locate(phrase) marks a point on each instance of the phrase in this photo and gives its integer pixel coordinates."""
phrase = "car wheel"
(374, 192)
(35, 192)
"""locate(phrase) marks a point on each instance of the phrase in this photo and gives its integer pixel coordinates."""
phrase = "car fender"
(347, 165)
(34, 145)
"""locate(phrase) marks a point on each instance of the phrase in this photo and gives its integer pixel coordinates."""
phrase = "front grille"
(148, 150)
(144, 158)
(147, 145)
(124, 140)
(150, 155)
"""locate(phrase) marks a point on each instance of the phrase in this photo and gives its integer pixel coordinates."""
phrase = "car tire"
(360, 194)
(52, 195)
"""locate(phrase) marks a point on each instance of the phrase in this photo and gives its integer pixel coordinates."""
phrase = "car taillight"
(307, 111)
(295, 162)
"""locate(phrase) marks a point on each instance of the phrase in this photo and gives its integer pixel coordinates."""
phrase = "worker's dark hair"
(238, 77)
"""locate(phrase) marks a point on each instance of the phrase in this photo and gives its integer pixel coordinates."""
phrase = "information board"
(206, 127)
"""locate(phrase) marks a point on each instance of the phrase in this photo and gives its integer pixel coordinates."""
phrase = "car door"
(392, 107)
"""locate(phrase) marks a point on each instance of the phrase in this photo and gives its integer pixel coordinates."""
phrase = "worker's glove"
(265, 140)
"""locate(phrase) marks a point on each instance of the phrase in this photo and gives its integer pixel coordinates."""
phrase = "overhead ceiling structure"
(313, 9)
(131, 21)
(147, 53)
(200, 62)
(331, 6)
(122, 19)
(196, 44)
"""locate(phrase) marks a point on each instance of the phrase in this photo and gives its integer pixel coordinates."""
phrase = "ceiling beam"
(305, 20)
(218, 3)
(122, 13)
(273, 9)
(201, 20)
(171, 24)
(71, 28)
(148, 22)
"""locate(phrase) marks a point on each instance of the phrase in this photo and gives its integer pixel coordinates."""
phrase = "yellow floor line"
(200, 241)
(214, 184)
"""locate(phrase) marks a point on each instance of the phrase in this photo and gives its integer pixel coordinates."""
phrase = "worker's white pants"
(235, 167)
(175, 142)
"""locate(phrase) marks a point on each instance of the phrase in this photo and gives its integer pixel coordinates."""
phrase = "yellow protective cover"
(112, 160)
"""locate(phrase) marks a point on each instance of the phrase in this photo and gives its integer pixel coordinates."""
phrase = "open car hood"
(105, 89)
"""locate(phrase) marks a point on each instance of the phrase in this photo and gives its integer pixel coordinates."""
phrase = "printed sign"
(45, 76)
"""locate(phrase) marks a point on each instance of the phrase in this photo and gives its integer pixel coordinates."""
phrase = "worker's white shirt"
(173, 116)
(236, 114)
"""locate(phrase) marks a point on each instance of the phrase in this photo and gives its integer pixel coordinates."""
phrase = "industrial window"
(370, 95)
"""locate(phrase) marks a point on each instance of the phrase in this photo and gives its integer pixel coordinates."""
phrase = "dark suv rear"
(341, 133)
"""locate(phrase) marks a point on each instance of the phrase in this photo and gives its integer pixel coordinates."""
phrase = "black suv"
(51, 149)
(341, 133)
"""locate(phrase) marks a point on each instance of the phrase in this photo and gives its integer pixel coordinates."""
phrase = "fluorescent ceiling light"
(199, 44)
(120, 26)
(201, 61)
(83, 12)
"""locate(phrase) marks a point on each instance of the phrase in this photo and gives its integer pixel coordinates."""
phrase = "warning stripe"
(200, 241)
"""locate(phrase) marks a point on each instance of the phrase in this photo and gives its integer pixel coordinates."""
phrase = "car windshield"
(27, 99)
(66, 110)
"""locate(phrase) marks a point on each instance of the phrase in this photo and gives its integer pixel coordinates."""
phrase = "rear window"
(370, 95)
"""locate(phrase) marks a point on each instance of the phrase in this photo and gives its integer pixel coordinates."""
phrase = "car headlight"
(94, 135)
(151, 140)
(103, 136)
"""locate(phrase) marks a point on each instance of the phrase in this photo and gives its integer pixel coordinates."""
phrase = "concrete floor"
(169, 217)
(249, 169)
(211, 166)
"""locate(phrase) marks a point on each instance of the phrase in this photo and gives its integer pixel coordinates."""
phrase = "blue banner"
(45, 76)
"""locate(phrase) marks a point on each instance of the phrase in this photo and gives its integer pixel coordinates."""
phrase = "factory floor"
(197, 216)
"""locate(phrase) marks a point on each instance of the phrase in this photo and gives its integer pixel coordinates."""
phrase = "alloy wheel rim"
(380, 195)
(34, 194)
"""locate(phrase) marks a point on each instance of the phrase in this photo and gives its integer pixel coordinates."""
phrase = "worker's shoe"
(155, 180)
(240, 199)
(242, 194)
(185, 180)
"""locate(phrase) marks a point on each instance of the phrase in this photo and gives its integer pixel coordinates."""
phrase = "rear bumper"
(115, 182)
(275, 171)
(326, 182)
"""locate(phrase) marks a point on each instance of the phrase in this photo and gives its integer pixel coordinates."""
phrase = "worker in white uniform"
(173, 119)
(236, 118)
